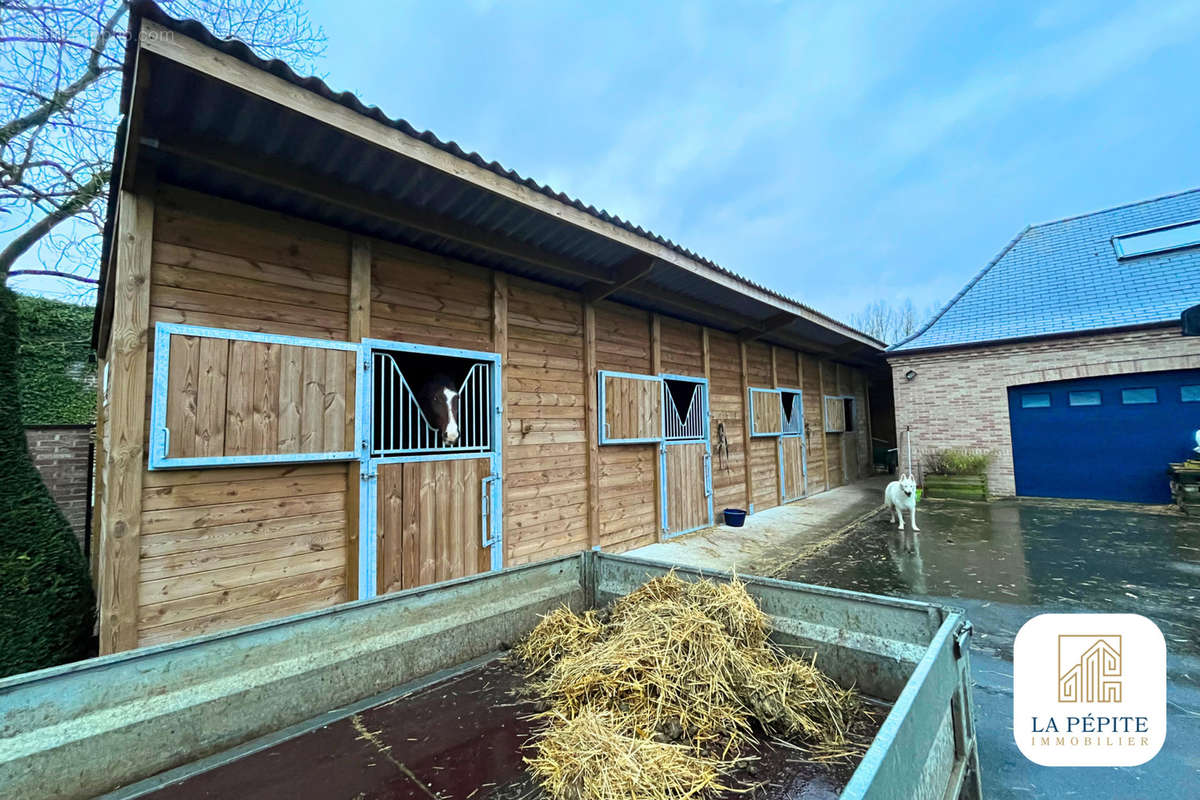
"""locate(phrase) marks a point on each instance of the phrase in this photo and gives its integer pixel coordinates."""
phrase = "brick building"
(1064, 357)
(62, 454)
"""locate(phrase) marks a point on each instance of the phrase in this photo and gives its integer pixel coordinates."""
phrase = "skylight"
(1157, 240)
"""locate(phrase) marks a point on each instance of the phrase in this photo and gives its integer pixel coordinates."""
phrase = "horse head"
(438, 398)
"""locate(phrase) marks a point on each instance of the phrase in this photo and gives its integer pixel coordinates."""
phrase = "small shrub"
(957, 462)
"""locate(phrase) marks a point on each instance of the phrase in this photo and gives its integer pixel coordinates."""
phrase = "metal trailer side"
(144, 718)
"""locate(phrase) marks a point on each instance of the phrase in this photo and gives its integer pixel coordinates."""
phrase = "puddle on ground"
(1049, 556)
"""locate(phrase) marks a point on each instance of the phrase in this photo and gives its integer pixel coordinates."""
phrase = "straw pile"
(666, 697)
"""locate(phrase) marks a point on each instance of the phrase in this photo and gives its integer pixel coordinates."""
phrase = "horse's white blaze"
(451, 423)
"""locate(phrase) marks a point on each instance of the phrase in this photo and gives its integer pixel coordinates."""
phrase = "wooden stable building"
(277, 259)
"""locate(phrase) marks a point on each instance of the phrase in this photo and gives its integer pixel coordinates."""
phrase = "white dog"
(900, 495)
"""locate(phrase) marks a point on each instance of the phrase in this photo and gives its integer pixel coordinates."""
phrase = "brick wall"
(959, 398)
(61, 455)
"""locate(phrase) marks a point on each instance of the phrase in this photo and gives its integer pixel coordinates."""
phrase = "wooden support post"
(655, 369)
(592, 428)
(746, 427)
(99, 455)
(125, 459)
(500, 346)
(824, 434)
(866, 384)
(706, 354)
(360, 328)
(778, 448)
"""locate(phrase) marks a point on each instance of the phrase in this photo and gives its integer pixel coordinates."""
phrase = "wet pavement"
(1007, 561)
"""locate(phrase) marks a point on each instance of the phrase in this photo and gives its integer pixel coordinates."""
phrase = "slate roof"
(1063, 277)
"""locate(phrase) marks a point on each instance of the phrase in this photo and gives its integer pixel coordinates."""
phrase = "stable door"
(431, 501)
(685, 456)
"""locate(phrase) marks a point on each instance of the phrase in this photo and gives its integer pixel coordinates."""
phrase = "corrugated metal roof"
(1064, 277)
(195, 108)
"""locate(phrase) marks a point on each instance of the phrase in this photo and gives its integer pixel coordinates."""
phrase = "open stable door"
(430, 505)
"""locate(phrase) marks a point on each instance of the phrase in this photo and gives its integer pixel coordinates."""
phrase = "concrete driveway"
(773, 540)
(1007, 561)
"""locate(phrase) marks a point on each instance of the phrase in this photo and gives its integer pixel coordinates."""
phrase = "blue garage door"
(1105, 438)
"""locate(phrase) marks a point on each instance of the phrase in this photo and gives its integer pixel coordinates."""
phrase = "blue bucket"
(735, 517)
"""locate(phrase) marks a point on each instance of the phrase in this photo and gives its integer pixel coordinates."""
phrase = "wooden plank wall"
(422, 299)
(628, 507)
(725, 406)
(231, 546)
(833, 441)
(785, 368)
(227, 547)
(764, 452)
(814, 421)
(681, 348)
(546, 445)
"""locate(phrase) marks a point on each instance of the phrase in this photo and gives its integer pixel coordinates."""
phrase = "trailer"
(280, 265)
(284, 707)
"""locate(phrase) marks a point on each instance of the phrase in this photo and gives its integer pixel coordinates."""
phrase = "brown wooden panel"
(429, 522)
(240, 398)
(768, 417)
(687, 503)
(758, 364)
(792, 455)
(786, 375)
(632, 408)
(764, 464)
(681, 351)
(183, 380)
(835, 415)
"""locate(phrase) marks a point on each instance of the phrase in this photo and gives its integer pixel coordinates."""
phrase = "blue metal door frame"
(492, 499)
(1088, 439)
(705, 439)
(160, 435)
(794, 430)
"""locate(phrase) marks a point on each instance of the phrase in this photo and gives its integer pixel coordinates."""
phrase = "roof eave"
(894, 355)
(222, 65)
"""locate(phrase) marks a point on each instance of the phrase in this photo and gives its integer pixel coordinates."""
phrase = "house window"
(1083, 398)
(849, 412)
(1157, 240)
(1189, 394)
(1035, 400)
(1134, 397)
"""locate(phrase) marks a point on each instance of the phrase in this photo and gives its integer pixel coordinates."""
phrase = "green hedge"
(47, 609)
(56, 369)
(957, 462)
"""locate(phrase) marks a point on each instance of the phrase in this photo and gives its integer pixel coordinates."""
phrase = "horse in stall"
(437, 395)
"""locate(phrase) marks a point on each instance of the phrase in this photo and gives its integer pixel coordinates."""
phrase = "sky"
(840, 153)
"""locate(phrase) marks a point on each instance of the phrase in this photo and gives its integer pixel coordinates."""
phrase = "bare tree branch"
(43, 226)
(60, 64)
(60, 99)
(53, 273)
